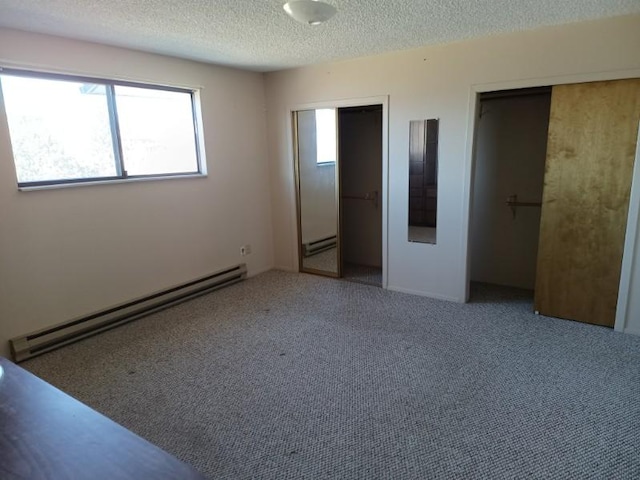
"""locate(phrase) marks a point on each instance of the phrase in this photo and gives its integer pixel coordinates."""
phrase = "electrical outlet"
(245, 250)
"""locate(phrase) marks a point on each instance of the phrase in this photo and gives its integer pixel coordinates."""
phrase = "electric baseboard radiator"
(318, 246)
(48, 339)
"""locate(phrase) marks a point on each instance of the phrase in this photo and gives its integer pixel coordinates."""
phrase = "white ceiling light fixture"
(310, 12)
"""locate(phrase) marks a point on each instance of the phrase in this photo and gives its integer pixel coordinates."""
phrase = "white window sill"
(110, 182)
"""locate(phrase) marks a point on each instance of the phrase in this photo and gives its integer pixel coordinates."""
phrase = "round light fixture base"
(310, 12)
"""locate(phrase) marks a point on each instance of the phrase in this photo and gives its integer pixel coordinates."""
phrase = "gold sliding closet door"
(591, 147)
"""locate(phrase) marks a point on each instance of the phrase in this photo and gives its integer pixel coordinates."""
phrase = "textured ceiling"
(258, 35)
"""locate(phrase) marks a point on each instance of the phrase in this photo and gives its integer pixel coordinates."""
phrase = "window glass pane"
(157, 131)
(59, 130)
(326, 135)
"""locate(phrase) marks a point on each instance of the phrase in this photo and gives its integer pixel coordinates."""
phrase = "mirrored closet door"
(338, 169)
(316, 152)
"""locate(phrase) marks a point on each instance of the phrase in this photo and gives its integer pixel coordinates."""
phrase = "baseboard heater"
(318, 246)
(48, 339)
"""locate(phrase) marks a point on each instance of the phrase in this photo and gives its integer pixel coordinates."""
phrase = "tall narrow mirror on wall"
(315, 136)
(423, 180)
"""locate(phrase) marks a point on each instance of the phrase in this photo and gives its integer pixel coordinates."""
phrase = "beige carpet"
(293, 376)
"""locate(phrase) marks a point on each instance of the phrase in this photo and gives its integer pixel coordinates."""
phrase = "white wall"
(438, 82)
(68, 252)
(631, 321)
(511, 148)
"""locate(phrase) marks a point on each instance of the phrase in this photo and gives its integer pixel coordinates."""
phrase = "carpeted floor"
(353, 272)
(293, 376)
(326, 261)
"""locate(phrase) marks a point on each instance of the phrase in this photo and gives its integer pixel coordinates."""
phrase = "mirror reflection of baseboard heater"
(317, 246)
(51, 338)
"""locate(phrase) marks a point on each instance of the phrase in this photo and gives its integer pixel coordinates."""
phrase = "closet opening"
(508, 178)
(339, 183)
(360, 154)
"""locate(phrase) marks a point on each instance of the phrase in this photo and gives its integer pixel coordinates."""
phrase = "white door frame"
(342, 103)
(633, 220)
(630, 246)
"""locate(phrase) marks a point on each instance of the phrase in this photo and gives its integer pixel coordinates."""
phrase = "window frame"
(116, 137)
(326, 163)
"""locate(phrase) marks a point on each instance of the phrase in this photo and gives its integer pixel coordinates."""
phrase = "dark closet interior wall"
(510, 157)
(360, 158)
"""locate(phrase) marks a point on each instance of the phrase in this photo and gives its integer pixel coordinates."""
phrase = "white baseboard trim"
(435, 296)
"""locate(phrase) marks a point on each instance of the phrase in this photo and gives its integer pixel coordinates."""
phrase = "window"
(326, 135)
(67, 129)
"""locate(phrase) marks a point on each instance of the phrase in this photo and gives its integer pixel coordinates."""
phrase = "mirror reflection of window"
(423, 180)
(326, 135)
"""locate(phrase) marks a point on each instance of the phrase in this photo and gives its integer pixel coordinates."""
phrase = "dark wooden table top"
(46, 434)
